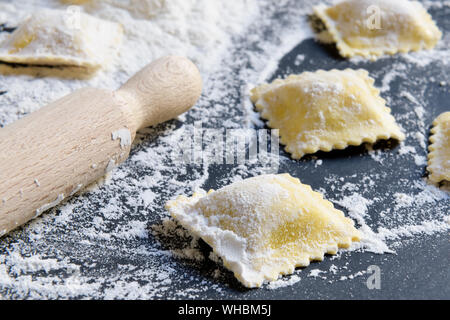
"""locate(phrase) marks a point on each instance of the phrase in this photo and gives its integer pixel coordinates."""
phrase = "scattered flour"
(403, 200)
(333, 269)
(357, 207)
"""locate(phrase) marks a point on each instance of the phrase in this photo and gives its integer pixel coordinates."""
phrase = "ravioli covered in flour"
(439, 156)
(372, 28)
(325, 110)
(265, 226)
(59, 38)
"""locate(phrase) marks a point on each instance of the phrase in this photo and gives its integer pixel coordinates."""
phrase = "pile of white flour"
(116, 241)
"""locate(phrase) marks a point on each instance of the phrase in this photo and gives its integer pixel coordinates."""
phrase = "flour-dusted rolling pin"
(52, 153)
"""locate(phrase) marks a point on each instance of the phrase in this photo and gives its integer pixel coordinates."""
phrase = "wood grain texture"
(52, 153)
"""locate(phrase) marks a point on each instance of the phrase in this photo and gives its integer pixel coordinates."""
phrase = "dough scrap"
(53, 38)
(325, 110)
(265, 226)
(403, 26)
(439, 155)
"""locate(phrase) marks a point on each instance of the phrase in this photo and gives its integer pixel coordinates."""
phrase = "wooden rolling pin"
(52, 153)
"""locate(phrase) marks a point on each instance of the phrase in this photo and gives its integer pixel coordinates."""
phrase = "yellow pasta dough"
(325, 110)
(140, 9)
(439, 156)
(265, 226)
(371, 28)
(59, 38)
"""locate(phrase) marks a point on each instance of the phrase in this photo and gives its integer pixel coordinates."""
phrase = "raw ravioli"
(265, 226)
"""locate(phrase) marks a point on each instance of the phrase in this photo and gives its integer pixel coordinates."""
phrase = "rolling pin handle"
(161, 91)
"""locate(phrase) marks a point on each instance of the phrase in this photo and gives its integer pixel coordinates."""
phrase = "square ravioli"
(325, 110)
(53, 38)
(371, 28)
(265, 226)
(439, 156)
